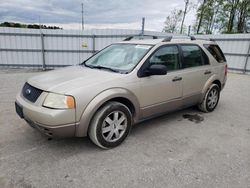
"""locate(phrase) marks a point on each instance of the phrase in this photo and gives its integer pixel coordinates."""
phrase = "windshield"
(118, 57)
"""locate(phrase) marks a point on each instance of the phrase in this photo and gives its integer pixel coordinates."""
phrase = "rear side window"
(193, 56)
(216, 52)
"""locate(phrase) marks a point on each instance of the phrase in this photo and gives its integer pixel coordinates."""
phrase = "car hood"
(70, 78)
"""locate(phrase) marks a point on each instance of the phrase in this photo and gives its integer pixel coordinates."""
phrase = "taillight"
(226, 69)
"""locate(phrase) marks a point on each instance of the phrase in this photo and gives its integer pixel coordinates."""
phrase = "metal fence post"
(248, 53)
(43, 52)
(93, 43)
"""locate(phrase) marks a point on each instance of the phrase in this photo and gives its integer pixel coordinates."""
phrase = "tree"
(232, 4)
(172, 21)
(220, 16)
(243, 14)
(184, 14)
(200, 14)
(211, 16)
(33, 26)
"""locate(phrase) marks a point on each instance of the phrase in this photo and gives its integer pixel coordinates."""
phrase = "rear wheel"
(110, 125)
(211, 99)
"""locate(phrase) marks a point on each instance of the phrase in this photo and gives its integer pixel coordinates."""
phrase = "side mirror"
(157, 69)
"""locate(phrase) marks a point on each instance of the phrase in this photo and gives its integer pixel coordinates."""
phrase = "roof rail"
(140, 37)
(192, 38)
(128, 38)
(167, 39)
(207, 39)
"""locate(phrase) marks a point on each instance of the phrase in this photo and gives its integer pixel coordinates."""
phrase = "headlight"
(59, 101)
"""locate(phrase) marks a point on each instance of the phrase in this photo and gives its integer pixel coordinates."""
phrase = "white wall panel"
(232, 45)
(10, 38)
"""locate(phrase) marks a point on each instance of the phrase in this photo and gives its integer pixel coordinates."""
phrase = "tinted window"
(193, 56)
(168, 55)
(216, 52)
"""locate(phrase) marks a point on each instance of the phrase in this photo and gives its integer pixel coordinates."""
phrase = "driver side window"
(168, 55)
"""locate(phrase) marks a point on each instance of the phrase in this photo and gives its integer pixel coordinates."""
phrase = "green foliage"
(31, 26)
(172, 23)
(219, 16)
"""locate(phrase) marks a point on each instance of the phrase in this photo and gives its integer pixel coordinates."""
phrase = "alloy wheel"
(114, 126)
(212, 99)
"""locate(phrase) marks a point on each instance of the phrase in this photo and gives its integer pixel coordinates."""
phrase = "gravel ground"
(169, 151)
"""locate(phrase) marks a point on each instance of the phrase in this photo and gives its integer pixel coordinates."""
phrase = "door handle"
(177, 78)
(207, 72)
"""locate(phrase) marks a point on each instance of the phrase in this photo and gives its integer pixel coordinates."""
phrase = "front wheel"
(110, 125)
(211, 99)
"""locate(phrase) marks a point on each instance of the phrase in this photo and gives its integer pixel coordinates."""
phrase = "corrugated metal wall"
(54, 48)
(236, 48)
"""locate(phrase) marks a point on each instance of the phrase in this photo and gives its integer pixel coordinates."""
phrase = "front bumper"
(51, 122)
(55, 132)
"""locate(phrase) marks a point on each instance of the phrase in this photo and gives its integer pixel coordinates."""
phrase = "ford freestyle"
(123, 84)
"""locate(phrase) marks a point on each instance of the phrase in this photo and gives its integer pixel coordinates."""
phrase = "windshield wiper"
(102, 67)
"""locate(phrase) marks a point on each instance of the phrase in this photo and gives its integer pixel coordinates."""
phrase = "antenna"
(82, 18)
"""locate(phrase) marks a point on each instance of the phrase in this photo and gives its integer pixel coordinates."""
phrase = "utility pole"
(184, 14)
(82, 18)
(189, 30)
(142, 28)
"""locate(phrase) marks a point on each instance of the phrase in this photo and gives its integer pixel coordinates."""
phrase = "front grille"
(31, 93)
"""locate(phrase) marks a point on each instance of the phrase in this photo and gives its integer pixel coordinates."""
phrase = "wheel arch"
(217, 82)
(212, 80)
(121, 95)
(124, 101)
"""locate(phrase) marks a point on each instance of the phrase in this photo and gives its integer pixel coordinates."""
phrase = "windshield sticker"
(142, 46)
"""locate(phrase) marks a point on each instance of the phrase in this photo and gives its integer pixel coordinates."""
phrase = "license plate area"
(19, 110)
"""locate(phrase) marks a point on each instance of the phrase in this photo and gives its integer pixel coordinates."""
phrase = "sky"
(100, 14)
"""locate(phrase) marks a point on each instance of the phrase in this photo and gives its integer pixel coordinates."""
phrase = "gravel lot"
(169, 151)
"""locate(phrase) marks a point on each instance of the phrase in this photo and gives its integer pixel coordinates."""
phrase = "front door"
(162, 93)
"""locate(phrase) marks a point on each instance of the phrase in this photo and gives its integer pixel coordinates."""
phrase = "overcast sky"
(124, 14)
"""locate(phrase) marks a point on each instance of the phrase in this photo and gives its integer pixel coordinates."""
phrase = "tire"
(110, 125)
(211, 99)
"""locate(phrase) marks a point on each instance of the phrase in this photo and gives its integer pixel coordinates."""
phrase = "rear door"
(196, 71)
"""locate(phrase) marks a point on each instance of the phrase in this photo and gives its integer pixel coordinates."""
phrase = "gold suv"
(121, 85)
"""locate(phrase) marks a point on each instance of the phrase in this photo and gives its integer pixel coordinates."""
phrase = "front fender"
(98, 101)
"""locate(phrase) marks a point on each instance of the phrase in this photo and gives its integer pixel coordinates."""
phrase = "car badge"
(28, 91)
